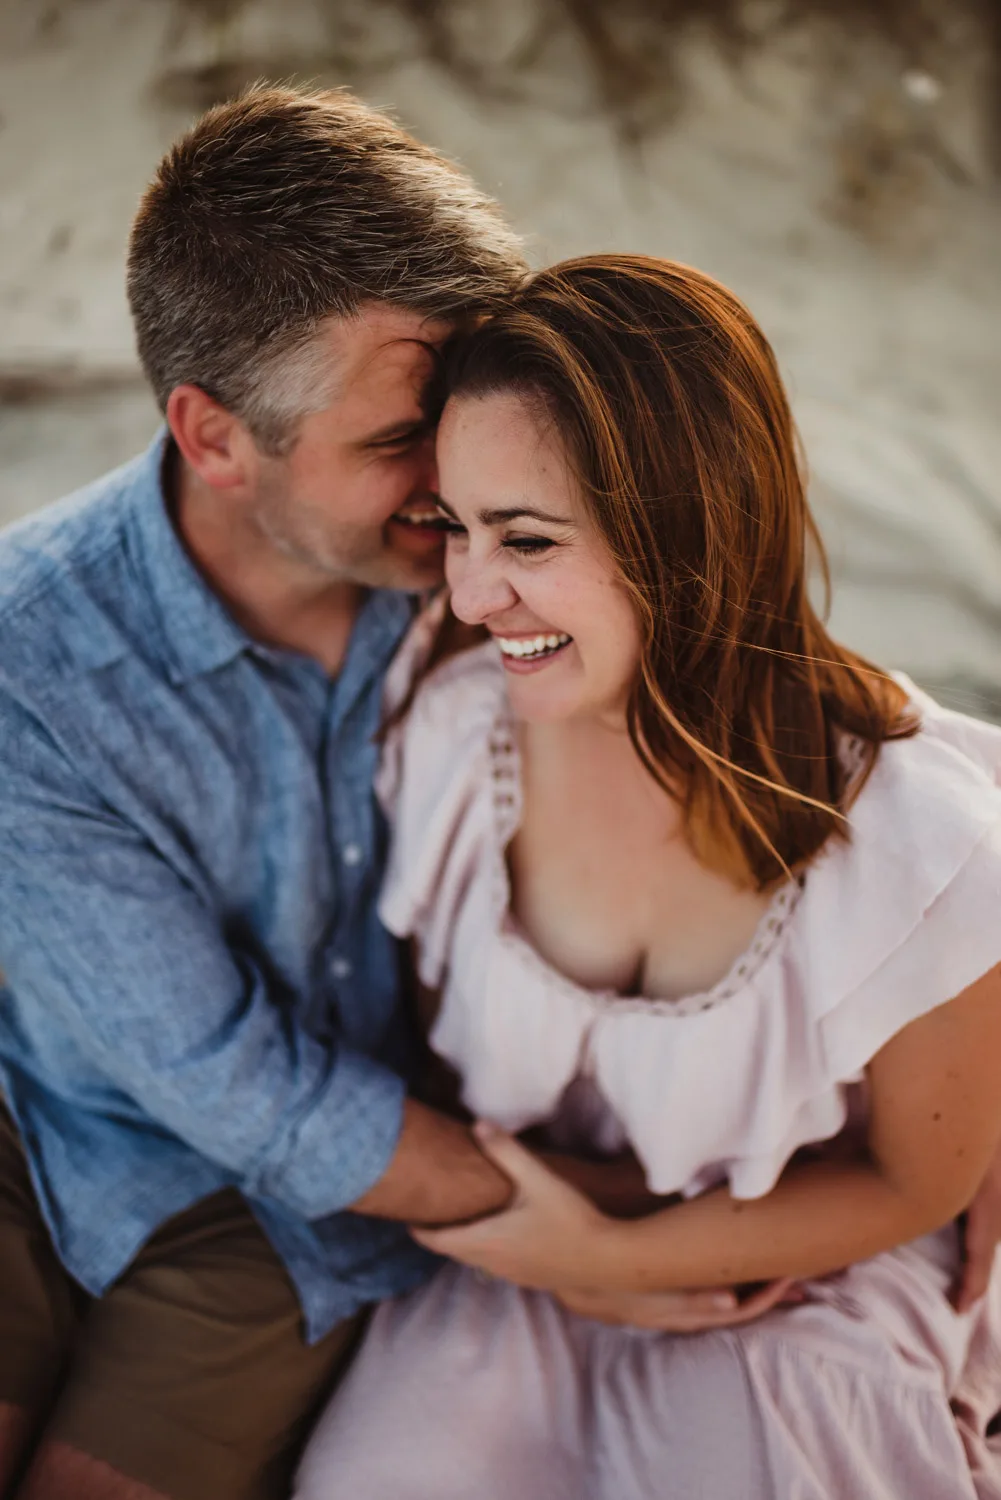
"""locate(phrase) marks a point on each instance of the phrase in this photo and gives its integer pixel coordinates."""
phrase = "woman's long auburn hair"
(668, 401)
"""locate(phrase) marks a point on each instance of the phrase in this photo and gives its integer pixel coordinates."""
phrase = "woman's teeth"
(538, 645)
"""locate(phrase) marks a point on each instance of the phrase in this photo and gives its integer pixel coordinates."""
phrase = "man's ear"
(213, 442)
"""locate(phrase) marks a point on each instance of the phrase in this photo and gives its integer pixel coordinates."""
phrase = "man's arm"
(101, 938)
(438, 1174)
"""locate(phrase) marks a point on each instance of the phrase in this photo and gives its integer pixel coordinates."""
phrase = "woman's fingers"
(679, 1312)
(782, 1293)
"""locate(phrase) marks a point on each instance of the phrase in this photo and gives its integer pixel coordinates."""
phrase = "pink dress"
(875, 1389)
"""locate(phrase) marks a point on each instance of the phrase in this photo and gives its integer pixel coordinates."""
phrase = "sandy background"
(846, 196)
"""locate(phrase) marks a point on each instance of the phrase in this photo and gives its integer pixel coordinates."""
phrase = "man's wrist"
(438, 1175)
(481, 1189)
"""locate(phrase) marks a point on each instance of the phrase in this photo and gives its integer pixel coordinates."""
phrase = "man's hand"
(981, 1233)
(438, 1174)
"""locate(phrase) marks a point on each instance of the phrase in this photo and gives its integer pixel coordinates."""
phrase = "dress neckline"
(506, 793)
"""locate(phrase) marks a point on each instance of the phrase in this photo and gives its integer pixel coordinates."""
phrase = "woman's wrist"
(606, 1264)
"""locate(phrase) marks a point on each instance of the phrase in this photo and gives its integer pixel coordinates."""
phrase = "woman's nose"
(478, 590)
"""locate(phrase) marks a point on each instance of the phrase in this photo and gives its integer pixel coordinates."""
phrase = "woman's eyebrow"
(498, 517)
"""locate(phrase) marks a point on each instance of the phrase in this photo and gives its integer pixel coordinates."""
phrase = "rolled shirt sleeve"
(99, 934)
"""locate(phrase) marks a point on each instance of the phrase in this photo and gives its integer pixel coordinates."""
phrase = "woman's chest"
(607, 890)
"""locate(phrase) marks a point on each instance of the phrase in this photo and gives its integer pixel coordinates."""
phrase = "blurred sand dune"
(859, 221)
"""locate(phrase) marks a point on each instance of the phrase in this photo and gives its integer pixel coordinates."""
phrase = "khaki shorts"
(191, 1373)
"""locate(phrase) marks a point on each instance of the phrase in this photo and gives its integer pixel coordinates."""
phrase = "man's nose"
(432, 468)
(427, 466)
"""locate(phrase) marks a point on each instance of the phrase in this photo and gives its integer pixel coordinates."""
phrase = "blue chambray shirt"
(199, 993)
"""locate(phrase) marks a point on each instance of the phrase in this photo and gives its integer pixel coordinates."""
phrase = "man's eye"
(398, 444)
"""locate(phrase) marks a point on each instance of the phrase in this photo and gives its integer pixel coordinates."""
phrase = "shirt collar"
(197, 632)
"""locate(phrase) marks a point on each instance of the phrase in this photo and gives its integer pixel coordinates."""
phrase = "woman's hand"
(549, 1237)
(680, 1312)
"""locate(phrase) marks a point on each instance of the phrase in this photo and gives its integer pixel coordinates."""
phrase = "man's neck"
(278, 600)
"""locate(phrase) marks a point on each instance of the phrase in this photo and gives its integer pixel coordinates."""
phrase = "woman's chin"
(533, 700)
(556, 689)
(538, 701)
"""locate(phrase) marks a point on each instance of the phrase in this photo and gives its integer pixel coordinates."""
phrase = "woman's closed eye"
(527, 546)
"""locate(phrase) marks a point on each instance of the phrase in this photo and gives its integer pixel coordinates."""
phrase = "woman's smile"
(529, 653)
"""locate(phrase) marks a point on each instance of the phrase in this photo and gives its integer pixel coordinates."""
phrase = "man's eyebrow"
(498, 517)
(408, 428)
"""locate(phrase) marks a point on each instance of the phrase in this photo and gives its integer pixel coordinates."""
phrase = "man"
(202, 1008)
(207, 1152)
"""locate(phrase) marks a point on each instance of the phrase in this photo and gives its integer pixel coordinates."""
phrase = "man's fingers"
(973, 1278)
(739, 1312)
(980, 1231)
(979, 1245)
(782, 1293)
(969, 1289)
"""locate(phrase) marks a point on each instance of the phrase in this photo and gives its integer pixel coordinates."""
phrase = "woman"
(691, 878)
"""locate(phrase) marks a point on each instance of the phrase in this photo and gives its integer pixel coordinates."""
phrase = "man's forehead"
(382, 345)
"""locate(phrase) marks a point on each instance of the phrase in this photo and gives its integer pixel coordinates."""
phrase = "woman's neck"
(595, 754)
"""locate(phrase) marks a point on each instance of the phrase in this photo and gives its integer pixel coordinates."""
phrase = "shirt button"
(351, 854)
(340, 968)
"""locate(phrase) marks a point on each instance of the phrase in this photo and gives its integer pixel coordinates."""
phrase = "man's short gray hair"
(280, 210)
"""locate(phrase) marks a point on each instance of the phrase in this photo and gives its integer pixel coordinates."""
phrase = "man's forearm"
(438, 1174)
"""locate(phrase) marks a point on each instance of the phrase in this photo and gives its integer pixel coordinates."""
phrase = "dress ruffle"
(887, 926)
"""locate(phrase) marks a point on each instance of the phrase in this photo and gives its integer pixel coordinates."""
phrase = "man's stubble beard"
(305, 535)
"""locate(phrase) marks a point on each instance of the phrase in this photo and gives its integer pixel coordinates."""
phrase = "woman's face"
(525, 561)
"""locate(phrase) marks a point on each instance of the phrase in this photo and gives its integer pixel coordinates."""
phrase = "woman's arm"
(935, 1120)
(935, 1097)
